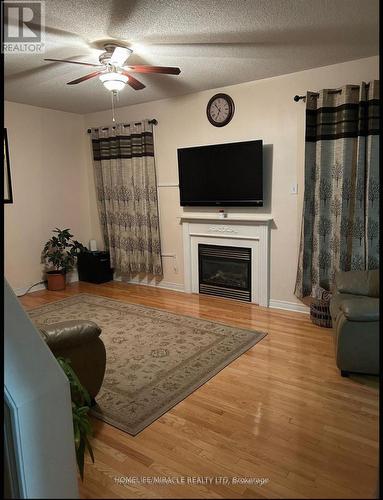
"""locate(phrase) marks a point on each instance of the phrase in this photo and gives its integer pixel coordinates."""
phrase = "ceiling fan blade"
(84, 78)
(120, 55)
(133, 82)
(74, 62)
(166, 70)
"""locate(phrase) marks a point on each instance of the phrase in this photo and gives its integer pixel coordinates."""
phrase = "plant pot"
(56, 280)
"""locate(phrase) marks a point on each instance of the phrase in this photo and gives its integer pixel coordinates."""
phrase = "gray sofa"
(354, 309)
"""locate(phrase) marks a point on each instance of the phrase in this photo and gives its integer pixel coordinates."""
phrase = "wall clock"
(220, 110)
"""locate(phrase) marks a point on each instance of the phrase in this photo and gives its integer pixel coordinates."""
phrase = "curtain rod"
(336, 91)
(154, 122)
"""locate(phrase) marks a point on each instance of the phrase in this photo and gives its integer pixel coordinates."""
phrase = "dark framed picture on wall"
(8, 198)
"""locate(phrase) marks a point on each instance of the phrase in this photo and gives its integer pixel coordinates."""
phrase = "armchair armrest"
(361, 309)
(358, 282)
(67, 334)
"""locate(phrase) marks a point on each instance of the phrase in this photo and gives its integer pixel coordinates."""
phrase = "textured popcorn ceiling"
(214, 42)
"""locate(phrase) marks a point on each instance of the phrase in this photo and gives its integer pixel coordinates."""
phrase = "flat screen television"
(221, 175)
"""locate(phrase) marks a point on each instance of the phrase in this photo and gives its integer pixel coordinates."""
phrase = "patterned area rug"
(154, 358)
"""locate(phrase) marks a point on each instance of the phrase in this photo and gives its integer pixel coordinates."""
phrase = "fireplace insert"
(225, 271)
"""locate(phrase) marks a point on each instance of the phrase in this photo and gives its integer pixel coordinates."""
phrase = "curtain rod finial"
(296, 98)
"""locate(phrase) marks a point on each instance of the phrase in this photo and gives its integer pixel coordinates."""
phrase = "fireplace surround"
(238, 231)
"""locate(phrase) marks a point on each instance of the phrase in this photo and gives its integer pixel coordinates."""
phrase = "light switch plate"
(294, 188)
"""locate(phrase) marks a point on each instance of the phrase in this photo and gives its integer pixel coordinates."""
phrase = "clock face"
(220, 110)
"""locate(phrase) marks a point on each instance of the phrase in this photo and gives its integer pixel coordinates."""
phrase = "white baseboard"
(178, 287)
(21, 291)
(71, 278)
(289, 306)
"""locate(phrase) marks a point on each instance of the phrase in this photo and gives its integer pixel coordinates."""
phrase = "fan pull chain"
(113, 115)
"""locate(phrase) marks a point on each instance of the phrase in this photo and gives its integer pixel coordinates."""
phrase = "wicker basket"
(320, 313)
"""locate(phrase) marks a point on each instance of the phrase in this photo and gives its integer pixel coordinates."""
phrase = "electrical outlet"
(294, 188)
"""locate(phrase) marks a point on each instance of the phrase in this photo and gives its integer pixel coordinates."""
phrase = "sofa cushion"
(334, 305)
(358, 282)
(365, 309)
(336, 301)
(67, 334)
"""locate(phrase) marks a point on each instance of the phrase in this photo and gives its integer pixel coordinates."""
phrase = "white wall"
(52, 175)
(50, 186)
(264, 110)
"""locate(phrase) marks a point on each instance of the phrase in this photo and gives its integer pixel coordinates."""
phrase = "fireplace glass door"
(225, 271)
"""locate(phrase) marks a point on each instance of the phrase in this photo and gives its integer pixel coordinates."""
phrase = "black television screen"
(221, 174)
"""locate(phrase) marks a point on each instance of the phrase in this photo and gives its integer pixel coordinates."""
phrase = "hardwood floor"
(281, 412)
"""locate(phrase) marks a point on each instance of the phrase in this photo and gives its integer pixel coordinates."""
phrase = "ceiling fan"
(113, 71)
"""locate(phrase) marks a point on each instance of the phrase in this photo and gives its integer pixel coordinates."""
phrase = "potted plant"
(80, 407)
(59, 254)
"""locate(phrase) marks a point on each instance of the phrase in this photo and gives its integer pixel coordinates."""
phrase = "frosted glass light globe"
(114, 81)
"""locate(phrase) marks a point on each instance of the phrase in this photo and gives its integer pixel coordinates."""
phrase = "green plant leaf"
(80, 452)
(58, 250)
(86, 426)
(89, 448)
(83, 409)
(77, 435)
(81, 423)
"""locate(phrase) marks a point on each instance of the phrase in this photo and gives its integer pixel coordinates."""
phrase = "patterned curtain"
(126, 187)
(340, 222)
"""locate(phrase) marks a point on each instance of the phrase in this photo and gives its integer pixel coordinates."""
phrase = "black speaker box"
(94, 267)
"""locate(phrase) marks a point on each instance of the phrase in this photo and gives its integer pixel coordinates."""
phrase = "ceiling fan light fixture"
(114, 81)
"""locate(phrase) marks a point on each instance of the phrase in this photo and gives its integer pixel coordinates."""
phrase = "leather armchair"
(79, 341)
(354, 309)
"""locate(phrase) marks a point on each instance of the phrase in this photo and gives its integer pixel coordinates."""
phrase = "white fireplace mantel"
(234, 230)
(235, 218)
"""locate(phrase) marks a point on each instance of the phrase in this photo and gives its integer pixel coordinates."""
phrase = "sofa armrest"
(67, 334)
(358, 282)
(360, 309)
